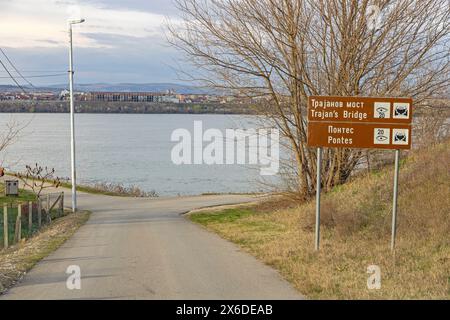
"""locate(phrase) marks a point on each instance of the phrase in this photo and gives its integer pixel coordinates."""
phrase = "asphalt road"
(146, 249)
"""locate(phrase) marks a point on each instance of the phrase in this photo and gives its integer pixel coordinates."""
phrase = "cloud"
(121, 41)
(24, 22)
(163, 7)
(125, 59)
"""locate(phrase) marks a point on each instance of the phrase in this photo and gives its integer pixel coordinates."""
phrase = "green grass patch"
(24, 196)
(226, 216)
(12, 203)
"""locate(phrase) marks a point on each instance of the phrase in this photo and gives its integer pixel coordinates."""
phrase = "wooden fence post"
(30, 218)
(18, 229)
(61, 204)
(49, 217)
(39, 213)
(5, 226)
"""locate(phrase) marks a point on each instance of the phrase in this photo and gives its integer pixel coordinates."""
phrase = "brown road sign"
(359, 135)
(360, 109)
(360, 122)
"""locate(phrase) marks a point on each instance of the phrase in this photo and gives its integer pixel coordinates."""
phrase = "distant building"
(170, 99)
(43, 96)
(7, 96)
(64, 94)
(16, 96)
(149, 97)
(131, 97)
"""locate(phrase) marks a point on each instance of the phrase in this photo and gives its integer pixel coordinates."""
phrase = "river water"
(128, 149)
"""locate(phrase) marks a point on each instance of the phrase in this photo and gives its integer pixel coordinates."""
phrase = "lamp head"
(76, 21)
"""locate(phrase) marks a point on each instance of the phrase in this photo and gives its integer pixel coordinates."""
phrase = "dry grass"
(356, 233)
(17, 260)
(104, 188)
(120, 190)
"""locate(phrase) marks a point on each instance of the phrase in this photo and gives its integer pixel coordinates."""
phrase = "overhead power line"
(39, 71)
(18, 72)
(43, 76)
(11, 76)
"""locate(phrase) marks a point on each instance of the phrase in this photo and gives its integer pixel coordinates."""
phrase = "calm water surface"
(127, 149)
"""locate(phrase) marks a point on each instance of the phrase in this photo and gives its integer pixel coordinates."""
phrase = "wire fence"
(22, 220)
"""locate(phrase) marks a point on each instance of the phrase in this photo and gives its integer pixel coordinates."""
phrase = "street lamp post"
(72, 117)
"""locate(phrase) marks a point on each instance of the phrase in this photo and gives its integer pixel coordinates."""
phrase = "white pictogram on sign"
(400, 137)
(401, 110)
(382, 110)
(382, 136)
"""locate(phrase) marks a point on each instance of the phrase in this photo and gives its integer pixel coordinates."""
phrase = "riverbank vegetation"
(117, 189)
(103, 188)
(32, 106)
(356, 225)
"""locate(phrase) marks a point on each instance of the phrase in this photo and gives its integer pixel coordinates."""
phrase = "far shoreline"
(99, 107)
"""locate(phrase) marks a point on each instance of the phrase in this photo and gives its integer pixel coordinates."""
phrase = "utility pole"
(72, 117)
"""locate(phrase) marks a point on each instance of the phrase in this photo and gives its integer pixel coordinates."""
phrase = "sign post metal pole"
(394, 204)
(318, 190)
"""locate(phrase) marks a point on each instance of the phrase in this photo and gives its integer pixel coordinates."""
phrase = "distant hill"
(121, 87)
(11, 88)
(4, 88)
(137, 87)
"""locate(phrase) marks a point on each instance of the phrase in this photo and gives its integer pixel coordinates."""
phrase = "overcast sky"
(121, 41)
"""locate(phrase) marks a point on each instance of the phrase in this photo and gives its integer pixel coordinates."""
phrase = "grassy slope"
(24, 197)
(80, 188)
(87, 189)
(356, 233)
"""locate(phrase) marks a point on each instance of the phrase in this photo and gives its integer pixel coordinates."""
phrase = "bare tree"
(38, 178)
(9, 134)
(433, 125)
(279, 52)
